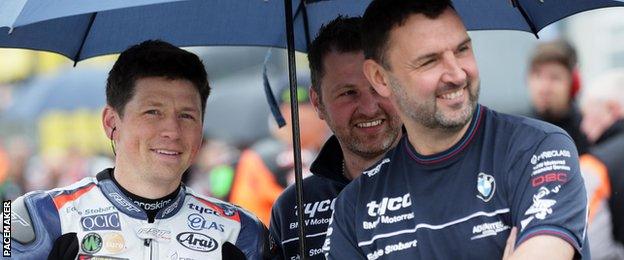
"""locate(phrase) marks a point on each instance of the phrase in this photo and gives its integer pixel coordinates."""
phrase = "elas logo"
(388, 204)
(198, 222)
(197, 241)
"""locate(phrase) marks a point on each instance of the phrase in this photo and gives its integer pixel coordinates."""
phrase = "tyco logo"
(108, 221)
(91, 243)
(391, 204)
(486, 186)
(197, 241)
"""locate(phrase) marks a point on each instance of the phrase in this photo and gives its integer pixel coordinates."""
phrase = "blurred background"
(50, 111)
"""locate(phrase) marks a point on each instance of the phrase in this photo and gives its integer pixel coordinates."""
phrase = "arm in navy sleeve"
(254, 238)
(275, 229)
(340, 240)
(35, 226)
(548, 196)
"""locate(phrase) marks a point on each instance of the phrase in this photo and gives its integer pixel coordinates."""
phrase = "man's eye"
(152, 112)
(348, 93)
(187, 116)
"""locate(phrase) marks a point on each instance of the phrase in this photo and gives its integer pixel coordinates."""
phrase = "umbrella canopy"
(66, 91)
(80, 31)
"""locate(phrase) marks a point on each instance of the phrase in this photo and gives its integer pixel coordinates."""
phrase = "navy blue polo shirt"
(461, 203)
(320, 192)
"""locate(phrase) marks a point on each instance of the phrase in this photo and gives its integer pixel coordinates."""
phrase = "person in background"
(602, 105)
(365, 126)
(553, 83)
(267, 167)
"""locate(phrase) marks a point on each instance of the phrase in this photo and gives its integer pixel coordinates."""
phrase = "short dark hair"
(558, 51)
(341, 35)
(153, 58)
(382, 16)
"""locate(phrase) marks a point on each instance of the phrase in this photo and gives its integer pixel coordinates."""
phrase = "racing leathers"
(505, 172)
(109, 225)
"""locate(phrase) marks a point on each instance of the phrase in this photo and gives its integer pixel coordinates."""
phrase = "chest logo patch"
(91, 243)
(486, 186)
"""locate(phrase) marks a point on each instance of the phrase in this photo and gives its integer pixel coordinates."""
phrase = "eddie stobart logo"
(108, 221)
(91, 243)
(198, 242)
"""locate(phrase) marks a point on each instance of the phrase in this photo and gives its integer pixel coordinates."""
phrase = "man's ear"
(110, 119)
(376, 75)
(315, 99)
(616, 111)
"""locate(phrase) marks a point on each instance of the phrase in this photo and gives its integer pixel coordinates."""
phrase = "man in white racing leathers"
(156, 97)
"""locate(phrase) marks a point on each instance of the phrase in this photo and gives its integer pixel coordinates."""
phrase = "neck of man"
(428, 141)
(138, 184)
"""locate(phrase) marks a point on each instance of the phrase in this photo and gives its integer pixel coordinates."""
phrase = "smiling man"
(156, 97)
(464, 176)
(365, 126)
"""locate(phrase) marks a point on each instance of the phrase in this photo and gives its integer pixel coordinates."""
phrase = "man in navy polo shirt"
(365, 126)
(464, 176)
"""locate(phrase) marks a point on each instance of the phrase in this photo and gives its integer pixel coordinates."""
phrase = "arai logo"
(197, 241)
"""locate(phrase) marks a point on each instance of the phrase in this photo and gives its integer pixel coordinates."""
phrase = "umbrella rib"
(84, 38)
(517, 4)
(306, 26)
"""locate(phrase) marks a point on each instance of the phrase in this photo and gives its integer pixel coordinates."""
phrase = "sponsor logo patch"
(123, 202)
(91, 243)
(486, 186)
(541, 207)
(488, 229)
(373, 171)
(153, 233)
(198, 222)
(197, 242)
(388, 204)
(109, 221)
(114, 242)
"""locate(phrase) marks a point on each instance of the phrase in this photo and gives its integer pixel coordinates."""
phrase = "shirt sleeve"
(254, 239)
(549, 196)
(340, 240)
(275, 230)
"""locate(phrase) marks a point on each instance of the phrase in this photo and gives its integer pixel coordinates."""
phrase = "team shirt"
(320, 192)
(461, 203)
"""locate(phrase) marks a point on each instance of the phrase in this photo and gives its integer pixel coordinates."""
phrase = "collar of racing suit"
(126, 205)
(328, 163)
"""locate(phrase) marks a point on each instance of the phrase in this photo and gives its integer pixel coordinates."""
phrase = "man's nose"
(453, 71)
(368, 103)
(171, 127)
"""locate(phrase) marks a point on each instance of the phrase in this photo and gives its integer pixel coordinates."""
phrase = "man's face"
(596, 118)
(161, 129)
(364, 122)
(433, 74)
(549, 88)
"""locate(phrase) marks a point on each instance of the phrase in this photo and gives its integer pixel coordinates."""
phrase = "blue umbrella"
(65, 91)
(80, 30)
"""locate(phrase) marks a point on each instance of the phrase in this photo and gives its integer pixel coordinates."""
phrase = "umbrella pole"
(292, 75)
